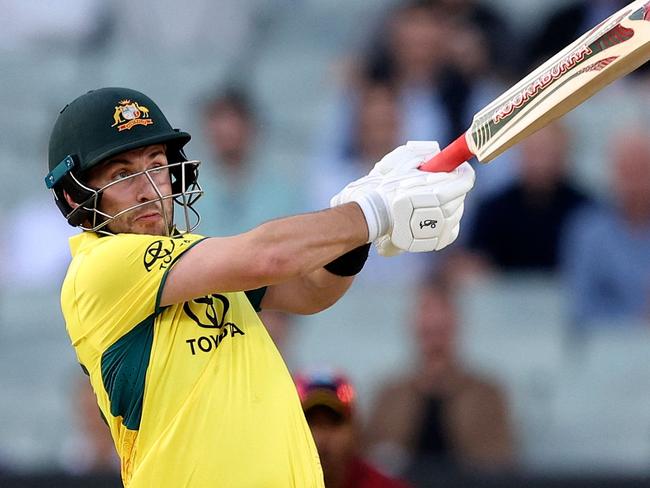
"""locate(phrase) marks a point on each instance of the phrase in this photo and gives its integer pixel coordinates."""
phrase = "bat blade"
(612, 49)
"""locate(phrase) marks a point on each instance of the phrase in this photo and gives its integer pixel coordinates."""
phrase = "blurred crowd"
(287, 101)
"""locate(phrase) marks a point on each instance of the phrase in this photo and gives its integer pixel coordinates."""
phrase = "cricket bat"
(612, 49)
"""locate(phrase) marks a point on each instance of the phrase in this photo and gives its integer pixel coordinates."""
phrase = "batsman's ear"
(69, 199)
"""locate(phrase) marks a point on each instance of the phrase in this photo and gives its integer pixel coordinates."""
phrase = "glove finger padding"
(354, 189)
(448, 209)
(447, 239)
(409, 156)
(457, 184)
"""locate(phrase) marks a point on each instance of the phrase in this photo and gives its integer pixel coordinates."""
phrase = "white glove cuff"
(376, 213)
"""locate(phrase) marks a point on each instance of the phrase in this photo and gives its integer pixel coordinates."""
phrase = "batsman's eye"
(120, 175)
(157, 168)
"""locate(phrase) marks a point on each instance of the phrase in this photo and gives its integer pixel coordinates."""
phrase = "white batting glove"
(406, 157)
(396, 165)
(397, 162)
(426, 211)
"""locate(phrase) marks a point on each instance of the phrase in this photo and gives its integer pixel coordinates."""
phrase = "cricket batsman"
(164, 321)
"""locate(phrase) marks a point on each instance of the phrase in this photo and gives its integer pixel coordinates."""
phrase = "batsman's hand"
(397, 165)
(426, 211)
(397, 162)
(406, 157)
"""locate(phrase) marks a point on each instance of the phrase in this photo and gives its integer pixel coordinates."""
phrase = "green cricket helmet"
(104, 123)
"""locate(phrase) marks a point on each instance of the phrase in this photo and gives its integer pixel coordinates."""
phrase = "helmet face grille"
(185, 191)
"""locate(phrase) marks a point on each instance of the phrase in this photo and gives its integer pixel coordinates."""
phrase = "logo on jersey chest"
(210, 312)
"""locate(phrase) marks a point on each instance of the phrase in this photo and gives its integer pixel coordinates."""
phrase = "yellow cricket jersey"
(195, 394)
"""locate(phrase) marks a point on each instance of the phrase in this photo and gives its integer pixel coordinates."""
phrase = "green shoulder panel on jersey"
(124, 370)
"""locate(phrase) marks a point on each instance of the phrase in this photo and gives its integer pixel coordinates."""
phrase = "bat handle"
(450, 157)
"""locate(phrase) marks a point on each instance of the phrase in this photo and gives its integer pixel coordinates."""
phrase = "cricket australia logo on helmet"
(128, 114)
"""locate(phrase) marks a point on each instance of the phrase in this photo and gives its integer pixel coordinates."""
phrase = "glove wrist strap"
(376, 213)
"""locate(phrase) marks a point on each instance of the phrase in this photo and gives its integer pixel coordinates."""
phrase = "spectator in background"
(376, 130)
(328, 402)
(494, 38)
(244, 188)
(439, 417)
(607, 259)
(411, 54)
(437, 84)
(437, 57)
(441, 57)
(521, 227)
(408, 53)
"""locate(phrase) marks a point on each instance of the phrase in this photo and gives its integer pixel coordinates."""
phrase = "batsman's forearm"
(275, 252)
(299, 245)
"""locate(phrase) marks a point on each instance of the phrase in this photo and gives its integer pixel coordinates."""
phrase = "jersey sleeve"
(121, 280)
